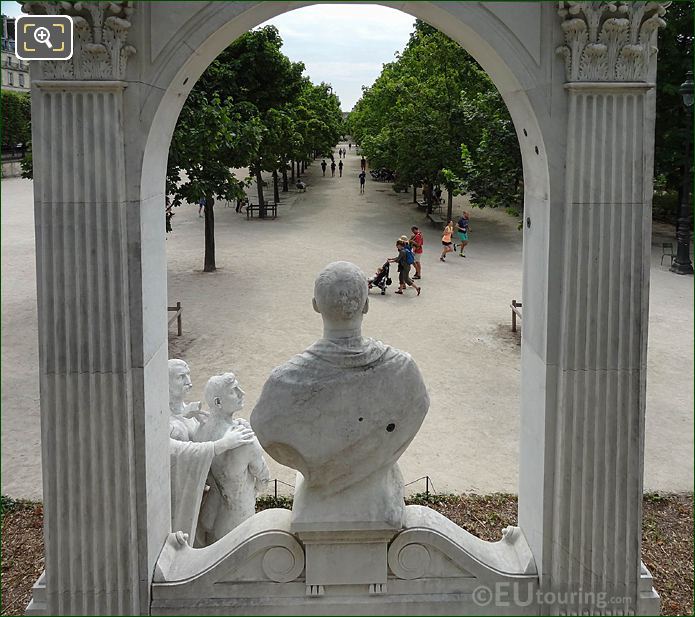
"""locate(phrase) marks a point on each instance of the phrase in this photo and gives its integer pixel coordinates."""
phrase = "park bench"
(436, 219)
(436, 216)
(421, 205)
(269, 210)
(516, 312)
(178, 311)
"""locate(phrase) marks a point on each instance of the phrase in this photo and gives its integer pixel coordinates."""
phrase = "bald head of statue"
(340, 295)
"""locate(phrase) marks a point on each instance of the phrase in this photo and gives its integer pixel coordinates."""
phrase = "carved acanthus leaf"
(610, 40)
(101, 31)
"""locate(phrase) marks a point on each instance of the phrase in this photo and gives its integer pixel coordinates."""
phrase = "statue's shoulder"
(318, 365)
(294, 371)
(182, 428)
(393, 356)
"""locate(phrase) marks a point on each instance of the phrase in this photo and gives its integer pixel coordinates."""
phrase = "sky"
(344, 45)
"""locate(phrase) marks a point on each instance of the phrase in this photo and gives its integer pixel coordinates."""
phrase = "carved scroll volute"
(610, 41)
(100, 50)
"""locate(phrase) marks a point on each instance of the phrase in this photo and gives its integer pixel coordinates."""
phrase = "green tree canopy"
(675, 59)
(16, 118)
(251, 108)
(429, 107)
(210, 140)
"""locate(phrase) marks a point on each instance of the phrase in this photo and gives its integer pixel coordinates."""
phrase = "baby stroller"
(381, 279)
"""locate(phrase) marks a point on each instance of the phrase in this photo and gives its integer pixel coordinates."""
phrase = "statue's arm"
(259, 469)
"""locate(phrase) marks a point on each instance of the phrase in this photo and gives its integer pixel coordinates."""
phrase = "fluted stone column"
(593, 453)
(103, 375)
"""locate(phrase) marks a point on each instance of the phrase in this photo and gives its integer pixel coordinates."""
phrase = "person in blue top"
(404, 279)
(462, 228)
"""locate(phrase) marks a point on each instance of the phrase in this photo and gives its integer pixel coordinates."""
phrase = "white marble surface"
(100, 157)
(192, 452)
(434, 567)
(236, 476)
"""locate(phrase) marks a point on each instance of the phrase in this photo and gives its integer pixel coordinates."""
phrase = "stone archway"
(102, 126)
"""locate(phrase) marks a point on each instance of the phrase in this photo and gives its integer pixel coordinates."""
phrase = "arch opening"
(506, 79)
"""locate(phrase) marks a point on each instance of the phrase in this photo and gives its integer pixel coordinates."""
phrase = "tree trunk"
(259, 188)
(449, 204)
(276, 187)
(209, 236)
(414, 193)
(285, 182)
(292, 178)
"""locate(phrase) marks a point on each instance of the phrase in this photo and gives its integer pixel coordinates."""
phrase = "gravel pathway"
(255, 312)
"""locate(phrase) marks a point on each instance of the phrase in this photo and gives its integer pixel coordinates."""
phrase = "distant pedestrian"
(349, 146)
(332, 169)
(462, 228)
(404, 279)
(446, 240)
(363, 164)
(363, 177)
(340, 168)
(201, 207)
(438, 194)
(323, 166)
(168, 214)
(416, 241)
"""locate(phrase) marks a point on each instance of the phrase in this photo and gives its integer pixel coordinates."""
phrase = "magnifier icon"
(42, 35)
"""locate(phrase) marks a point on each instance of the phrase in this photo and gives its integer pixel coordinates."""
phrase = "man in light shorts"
(416, 242)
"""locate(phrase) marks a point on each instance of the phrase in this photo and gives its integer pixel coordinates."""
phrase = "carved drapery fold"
(100, 47)
(610, 41)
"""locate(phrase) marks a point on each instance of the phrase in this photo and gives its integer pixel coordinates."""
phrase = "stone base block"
(649, 600)
(37, 606)
(346, 558)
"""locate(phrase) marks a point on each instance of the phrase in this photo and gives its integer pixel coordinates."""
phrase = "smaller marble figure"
(236, 476)
(190, 462)
(184, 417)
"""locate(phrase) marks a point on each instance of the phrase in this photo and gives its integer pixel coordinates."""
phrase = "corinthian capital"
(101, 30)
(610, 41)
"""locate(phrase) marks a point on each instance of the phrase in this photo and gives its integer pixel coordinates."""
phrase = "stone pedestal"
(430, 567)
(346, 558)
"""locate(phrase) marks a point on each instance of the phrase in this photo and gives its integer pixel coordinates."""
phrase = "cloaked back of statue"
(338, 424)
